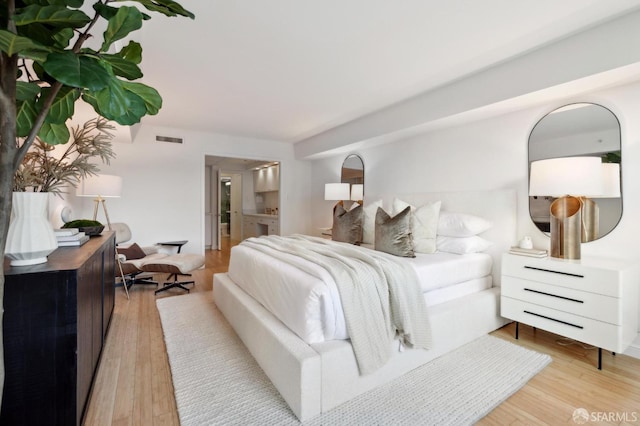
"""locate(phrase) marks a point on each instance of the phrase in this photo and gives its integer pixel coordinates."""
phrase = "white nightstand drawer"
(596, 333)
(585, 304)
(594, 276)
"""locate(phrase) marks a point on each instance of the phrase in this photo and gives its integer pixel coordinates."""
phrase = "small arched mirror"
(353, 174)
(581, 129)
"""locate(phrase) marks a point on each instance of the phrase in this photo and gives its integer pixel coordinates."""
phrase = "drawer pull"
(555, 272)
(554, 295)
(553, 319)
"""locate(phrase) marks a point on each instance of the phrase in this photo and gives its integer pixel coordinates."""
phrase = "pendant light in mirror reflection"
(580, 130)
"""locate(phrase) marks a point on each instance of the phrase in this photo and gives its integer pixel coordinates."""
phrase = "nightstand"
(592, 300)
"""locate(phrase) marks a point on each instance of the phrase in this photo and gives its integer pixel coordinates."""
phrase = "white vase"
(30, 238)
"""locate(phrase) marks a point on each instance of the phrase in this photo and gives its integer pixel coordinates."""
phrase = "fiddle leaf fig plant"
(46, 66)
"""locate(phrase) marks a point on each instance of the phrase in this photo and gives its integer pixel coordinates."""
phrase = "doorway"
(229, 192)
(230, 206)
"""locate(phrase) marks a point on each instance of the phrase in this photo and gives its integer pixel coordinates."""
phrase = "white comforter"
(311, 306)
(380, 296)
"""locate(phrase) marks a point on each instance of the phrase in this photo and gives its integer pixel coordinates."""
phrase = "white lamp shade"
(557, 177)
(105, 186)
(336, 191)
(357, 192)
(611, 180)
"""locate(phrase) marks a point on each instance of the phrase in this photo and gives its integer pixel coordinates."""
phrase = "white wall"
(163, 184)
(492, 154)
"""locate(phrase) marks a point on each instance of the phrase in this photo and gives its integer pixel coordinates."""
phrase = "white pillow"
(462, 245)
(369, 223)
(461, 225)
(424, 224)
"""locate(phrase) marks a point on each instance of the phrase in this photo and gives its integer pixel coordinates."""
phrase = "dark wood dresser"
(56, 317)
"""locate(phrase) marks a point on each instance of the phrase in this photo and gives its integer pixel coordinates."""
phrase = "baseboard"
(633, 350)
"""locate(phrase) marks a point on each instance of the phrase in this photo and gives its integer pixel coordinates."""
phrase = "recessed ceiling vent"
(168, 139)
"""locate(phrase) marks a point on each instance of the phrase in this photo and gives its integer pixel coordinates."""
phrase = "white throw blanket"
(380, 295)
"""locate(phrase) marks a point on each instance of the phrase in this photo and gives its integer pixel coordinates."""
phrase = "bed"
(294, 329)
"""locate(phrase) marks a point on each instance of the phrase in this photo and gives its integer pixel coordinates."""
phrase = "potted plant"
(30, 238)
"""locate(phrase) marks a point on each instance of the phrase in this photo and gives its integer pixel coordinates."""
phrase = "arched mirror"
(581, 129)
(353, 174)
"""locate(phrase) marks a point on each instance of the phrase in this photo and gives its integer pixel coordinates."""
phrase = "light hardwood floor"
(133, 384)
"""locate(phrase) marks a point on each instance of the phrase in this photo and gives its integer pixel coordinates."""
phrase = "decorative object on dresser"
(90, 228)
(569, 179)
(55, 322)
(593, 301)
(70, 237)
(100, 187)
(30, 238)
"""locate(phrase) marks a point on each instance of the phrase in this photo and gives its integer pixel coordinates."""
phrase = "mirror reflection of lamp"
(590, 210)
(357, 192)
(569, 179)
(100, 187)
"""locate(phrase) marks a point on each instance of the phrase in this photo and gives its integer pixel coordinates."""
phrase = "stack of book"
(69, 237)
(532, 252)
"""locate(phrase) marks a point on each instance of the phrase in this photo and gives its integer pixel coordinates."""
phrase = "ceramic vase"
(31, 237)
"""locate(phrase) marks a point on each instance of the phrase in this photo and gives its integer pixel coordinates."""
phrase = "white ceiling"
(289, 69)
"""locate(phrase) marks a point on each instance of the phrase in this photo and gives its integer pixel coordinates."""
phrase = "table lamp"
(100, 187)
(568, 179)
(337, 191)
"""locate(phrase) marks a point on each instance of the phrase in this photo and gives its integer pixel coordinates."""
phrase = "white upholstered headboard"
(498, 206)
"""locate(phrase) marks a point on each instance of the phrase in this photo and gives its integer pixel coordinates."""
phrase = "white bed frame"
(316, 378)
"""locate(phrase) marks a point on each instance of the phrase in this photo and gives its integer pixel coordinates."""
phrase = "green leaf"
(12, 44)
(150, 96)
(117, 104)
(63, 105)
(77, 70)
(25, 117)
(166, 7)
(54, 134)
(112, 101)
(26, 91)
(63, 37)
(123, 67)
(132, 52)
(107, 12)
(127, 19)
(54, 15)
(135, 112)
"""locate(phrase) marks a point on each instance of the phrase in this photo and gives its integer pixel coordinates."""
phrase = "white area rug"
(217, 381)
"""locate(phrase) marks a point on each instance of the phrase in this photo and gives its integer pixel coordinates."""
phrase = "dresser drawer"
(596, 333)
(577, 302)
(594, 277)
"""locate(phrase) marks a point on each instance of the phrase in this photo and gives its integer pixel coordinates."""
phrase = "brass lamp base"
(566, 228)
(590, 219)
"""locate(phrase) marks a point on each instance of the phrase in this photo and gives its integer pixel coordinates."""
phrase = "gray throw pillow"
(393, 234)
(347, 225)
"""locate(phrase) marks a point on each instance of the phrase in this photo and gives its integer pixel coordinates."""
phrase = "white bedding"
(311, 307)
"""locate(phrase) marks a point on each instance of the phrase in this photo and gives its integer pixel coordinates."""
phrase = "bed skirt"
(316, 378)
